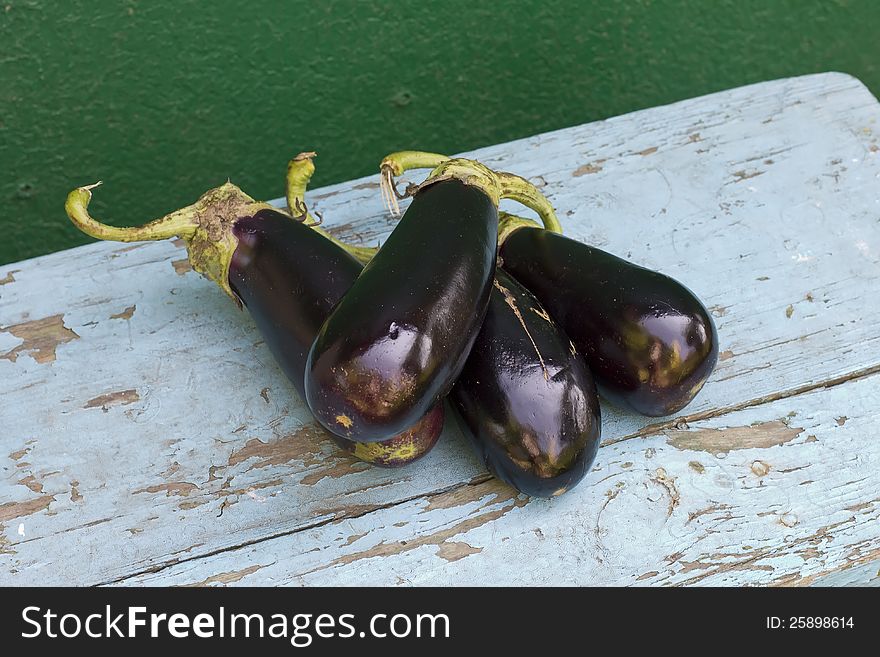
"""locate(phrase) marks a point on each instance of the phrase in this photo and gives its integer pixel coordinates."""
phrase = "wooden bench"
(147, 437)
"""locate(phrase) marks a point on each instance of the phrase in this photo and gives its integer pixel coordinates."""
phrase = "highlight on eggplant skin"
(649, 341)
(393, 347)
(526, 398)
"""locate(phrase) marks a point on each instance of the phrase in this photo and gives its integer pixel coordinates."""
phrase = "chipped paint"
(18, 454)
(125, 314)
(339, 466)
(227, 578)
(40, 338)
(739, 176)
(667, 482)
(5, 545)
(180, 488)
(11, 510)
(182, 266)
(119, 398)
(304, 445)
(249, 489)
(191, 504)
(464, 495)
(384, 549)
(453, 551)
(760, 468)
(588, 169)
(721, 441)
(788, 520)
(10, 277)
(31, 482)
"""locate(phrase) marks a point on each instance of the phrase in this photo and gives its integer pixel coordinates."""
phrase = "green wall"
(163, 100)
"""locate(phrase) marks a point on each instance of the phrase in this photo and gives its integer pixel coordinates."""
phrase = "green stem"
(507, 223)
(405, 160)
(521, 190)
(394, 165)
(205, 226)
(181, 223)
(497, 185)
(299, 173)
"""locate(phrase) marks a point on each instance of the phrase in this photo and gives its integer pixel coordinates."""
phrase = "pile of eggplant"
(514, 323)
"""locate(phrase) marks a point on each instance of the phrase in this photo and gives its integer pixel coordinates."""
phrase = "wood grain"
(148, 436)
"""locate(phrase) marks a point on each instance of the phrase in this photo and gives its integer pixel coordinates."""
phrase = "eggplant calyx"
(205, 226)
(470, 172)
(508, 223)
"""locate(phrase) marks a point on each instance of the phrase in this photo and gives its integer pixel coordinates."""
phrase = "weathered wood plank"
(785, 493)
(145, 423)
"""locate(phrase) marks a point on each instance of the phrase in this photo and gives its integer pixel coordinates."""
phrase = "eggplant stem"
(405, 160)
(396, 164)
(205, 226)
(181, 223)
(508, 185)
(521, 190)
(299, 173)
(507, 223)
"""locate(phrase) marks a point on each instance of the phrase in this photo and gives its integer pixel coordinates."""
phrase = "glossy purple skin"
(397, 341)
(649, 341)
(289, 277)
(526, 398)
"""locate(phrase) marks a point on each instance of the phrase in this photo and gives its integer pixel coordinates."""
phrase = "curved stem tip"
(181, 223)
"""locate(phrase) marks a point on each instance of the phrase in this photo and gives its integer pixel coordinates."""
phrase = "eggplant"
(289, 278)
(393, 347)
(287, 274)
(526, 397)
(649, 341)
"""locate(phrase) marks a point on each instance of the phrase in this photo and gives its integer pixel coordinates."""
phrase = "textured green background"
(162, 100)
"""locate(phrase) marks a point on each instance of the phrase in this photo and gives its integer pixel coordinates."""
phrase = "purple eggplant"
(393, 347)
(526, 397)
(649, 341)
(289, 278)
(399, 338)
(288, 275)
